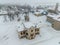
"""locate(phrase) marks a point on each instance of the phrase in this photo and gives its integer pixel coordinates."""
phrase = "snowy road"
(9, 36)
(52, 41)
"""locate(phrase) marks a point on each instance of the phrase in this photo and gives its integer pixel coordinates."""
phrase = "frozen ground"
(9, 35)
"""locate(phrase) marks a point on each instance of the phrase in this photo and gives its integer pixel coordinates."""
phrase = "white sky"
(30, 2)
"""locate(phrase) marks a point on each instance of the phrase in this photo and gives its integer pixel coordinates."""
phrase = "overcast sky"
(30, 2)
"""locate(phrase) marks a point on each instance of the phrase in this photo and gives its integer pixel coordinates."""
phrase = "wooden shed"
(56, 23)
(37, 14)
(50, 18)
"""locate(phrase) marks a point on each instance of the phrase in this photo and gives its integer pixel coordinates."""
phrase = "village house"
(56, 23)
(37, 14)
(28, 30)
(50, 18)
(54, 10)
(54, 20)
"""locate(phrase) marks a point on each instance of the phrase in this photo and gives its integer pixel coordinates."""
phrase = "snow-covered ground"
(9, 35)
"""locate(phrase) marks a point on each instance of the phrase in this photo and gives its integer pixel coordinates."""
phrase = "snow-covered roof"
(56, 17)
(12, 11)
(37, 12)
(29, 24)
(41, 10)
(20, 27)
(52, 15)
(3, 12)
(51, 7)
(26, 24)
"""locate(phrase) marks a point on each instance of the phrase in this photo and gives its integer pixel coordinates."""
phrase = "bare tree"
(11, 16)
(5, 18)
(26, 17)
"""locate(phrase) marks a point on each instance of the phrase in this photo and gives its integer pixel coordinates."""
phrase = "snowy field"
(47, 36)
(9, 35)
